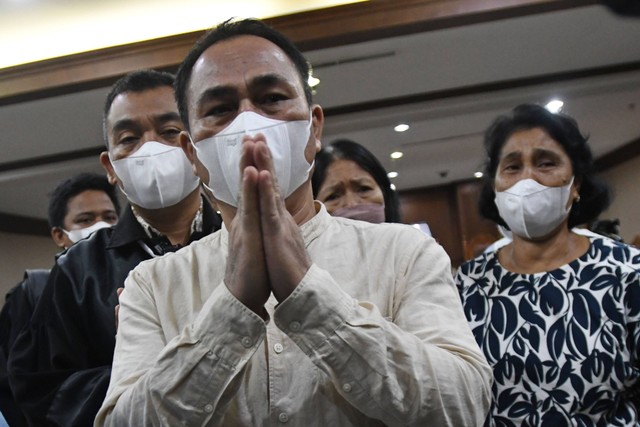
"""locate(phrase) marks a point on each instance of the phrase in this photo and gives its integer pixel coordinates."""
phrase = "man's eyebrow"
(168, 117)
(123, 124)
(81, 214)
(268, 80)
(258, 82)
(215, 93)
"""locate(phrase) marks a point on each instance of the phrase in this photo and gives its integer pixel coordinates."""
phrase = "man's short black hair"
(137, 81)
(71, 187)
(225, 31)
(594, 193)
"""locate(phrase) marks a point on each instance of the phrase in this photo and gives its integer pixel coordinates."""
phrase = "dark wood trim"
(378, 19)
(618, 156)
(23, 225)
(53, 158)
(310, 30)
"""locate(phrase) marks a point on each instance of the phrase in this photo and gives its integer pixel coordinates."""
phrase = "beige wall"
(624, 180)
(20, 252)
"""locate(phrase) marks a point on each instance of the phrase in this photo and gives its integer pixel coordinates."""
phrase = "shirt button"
(208, 409)
(278, 348)
(246, 341)
(283, 417)
(294, 326)
(346, 387)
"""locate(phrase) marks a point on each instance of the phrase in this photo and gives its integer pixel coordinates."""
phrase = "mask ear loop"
(120, 187)
(208, 191)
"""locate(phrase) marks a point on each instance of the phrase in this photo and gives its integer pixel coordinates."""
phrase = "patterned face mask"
(287, 140)
(533, 210)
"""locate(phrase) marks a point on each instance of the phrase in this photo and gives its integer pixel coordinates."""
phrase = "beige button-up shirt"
(373, 335)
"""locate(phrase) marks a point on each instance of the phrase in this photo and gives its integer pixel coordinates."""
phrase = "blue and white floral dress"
(564, 344)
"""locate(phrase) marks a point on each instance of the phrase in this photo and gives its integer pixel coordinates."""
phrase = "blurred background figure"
(607, 227)
(352, 183)
(556, 313)
(623, 7)
(78, 206)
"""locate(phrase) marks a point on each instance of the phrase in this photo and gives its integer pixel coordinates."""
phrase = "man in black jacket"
(78, 206)
(60, 365)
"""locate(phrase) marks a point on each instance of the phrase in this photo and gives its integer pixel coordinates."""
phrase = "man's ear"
(105, 161)
(317, 124)
(58, 237)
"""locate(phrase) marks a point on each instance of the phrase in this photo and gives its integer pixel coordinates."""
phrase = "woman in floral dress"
(556, 313)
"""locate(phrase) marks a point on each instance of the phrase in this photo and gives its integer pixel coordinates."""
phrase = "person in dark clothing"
(61, 364)
(77, 206)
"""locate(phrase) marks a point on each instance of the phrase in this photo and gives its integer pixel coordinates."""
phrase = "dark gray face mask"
(369, 212)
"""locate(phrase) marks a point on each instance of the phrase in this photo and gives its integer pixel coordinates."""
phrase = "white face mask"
(533, 210)
(287, 140)
(156, 176)
(83, 233)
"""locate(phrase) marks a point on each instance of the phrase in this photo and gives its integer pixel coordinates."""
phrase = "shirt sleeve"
(422, 367)
(15, 314)
(49, 368)
(194, 376)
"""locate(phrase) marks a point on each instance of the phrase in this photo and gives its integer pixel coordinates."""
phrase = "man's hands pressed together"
(266, 250)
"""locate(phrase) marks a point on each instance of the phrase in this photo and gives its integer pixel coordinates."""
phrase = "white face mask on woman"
(156, 176)
(533, 210)
(287, 140)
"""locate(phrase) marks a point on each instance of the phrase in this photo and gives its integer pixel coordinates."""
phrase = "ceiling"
(448, 84)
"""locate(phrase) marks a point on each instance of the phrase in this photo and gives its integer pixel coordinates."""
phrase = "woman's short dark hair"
(349, 150)
(228, 30)
(594, 193)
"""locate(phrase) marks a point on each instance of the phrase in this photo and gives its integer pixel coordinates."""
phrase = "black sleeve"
(60, 364)
(14, 315)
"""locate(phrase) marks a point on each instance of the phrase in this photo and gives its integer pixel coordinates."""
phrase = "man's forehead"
(129, 105)
(242, 56)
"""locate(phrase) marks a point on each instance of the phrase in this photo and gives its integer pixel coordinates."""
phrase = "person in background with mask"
(60, 364)
(352, 183)
(286, 315)
(78, 206)
(556, 313)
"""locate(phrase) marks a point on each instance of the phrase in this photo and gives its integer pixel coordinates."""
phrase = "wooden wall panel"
(451, 212)
(476, 232)
(437, 207)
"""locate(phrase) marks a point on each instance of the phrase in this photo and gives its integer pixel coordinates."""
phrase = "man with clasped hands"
(286, 315)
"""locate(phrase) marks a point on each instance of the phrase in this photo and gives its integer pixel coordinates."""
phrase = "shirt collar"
(196, 223)
(128, 229)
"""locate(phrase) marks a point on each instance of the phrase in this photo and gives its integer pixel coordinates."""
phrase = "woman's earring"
(577, 200)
